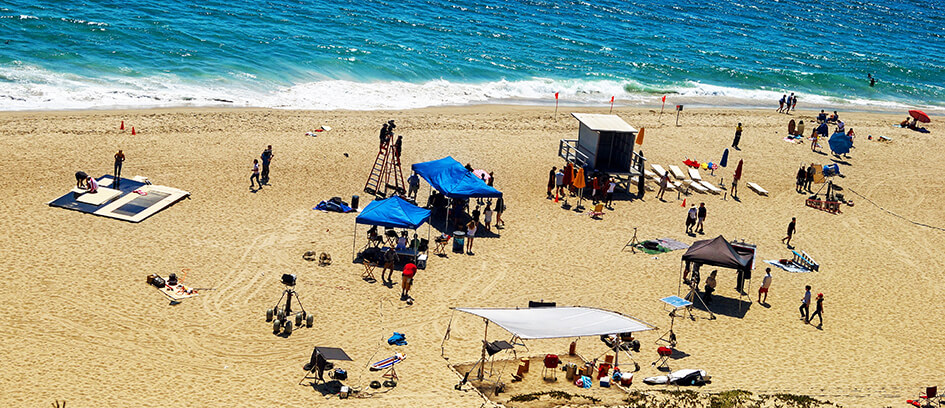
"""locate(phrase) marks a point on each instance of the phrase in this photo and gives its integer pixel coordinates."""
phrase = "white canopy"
(557, 322)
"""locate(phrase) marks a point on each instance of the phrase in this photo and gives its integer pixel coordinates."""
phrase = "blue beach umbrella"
(724, 161)
(840, 143)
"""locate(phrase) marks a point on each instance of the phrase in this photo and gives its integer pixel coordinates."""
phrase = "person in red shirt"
(407, 281)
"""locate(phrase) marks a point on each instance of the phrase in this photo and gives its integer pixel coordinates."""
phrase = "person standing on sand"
(781, 103)
(738, 136)
(487, 214)
(559, 182)
(255, 175)
(702, 214)
(119, 160)
(413, 184)
(819, 311)
(765, 284)
(611, 185)
(805, 305)
(809, 177)
(266, 157)
(390, 259)
(406, 282)
(499, 209)
(470, 234)
(799, 179)
(794, 103)
(551, 180)
(790, 232)
(691, 219)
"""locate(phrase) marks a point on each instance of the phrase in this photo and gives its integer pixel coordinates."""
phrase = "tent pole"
(482, 359)
(354, 242)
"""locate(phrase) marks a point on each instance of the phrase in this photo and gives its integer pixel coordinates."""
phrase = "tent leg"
(482, 359)
(354, 243)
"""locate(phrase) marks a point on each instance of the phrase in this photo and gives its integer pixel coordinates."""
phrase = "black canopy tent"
(319, 361)
(718, 252)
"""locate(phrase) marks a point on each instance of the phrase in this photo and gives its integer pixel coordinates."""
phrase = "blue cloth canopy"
(449, 177)
(393, 212)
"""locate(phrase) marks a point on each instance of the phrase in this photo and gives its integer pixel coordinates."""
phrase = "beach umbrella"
(482, 174)
(920, 116)
(578, 181)
(724, 161)
(840, 143)
(738, 170)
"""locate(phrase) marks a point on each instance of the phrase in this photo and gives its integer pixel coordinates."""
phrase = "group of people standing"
(804, 178)
(571, 178)
(695, 219)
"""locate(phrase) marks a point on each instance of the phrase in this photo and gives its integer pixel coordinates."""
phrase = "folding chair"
(440, 247)
(368, 274)
(597, 212)
(551, 363)
(931, 396)
(663, 361)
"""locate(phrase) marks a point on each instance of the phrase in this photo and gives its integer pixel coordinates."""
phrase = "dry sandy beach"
(80, 324)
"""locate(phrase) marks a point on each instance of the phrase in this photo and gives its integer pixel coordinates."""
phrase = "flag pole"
(556, 106)
(661, 108)
(611, 104)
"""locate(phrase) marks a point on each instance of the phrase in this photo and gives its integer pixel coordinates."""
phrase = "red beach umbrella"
(920, 116)
(738, 170)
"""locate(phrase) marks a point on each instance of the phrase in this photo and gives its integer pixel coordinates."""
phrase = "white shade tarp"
(558, 322)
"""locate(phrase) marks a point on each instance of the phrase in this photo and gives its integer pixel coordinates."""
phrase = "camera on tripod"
(282, 317)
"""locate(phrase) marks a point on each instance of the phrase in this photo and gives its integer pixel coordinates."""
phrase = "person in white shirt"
(805, 306)
(765, 284)
(610, 193)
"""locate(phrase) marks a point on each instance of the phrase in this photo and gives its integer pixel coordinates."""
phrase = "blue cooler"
(459, 241)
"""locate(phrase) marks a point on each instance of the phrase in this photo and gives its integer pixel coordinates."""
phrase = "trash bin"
(354, 202)
(459, 241)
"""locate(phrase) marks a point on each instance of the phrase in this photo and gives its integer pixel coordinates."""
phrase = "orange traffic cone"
(122, 127)
(133, 131)
(683, 203)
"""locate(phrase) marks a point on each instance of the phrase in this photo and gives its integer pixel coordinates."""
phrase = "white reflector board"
(558, 322)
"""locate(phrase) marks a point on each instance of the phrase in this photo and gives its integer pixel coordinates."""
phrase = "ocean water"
(362, 55)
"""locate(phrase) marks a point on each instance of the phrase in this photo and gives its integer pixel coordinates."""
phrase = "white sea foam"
(32, 88)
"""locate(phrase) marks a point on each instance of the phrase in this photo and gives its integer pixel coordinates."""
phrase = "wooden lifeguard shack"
(604, 143)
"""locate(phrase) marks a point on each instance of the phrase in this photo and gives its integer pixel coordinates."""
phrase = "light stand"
(694, 294)
(633, 241)
(280, 316)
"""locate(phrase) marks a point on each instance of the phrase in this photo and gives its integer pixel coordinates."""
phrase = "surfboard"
(791, 126)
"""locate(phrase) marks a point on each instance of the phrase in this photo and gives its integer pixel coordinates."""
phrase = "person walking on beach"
(799, 179)
(119, 160)
(487, 214)
(781, 103)
(793, 102)
(818, 311)
(738, 136)
(702, 213)
(805, 305)
(765, 284)
(790, 232)
(789, 103)
(413, 184)
(664, 184)
(255, 175)
(691, 219)
(551, 180)
(266, 157)
(406, 281)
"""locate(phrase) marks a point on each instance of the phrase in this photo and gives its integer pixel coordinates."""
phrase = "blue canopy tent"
(453, 180)
(449, 177)
(840, 143)
(393, 212)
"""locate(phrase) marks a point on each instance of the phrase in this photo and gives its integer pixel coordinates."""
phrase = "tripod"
(632, 242)
(694, 294)
(282, 314)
